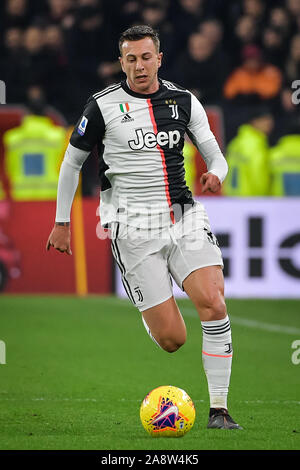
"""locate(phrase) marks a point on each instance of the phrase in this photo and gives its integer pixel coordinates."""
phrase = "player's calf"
(169, 341)
(165, 325)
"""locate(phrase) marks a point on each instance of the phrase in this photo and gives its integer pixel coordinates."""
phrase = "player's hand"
(210, 182)
(60, 239)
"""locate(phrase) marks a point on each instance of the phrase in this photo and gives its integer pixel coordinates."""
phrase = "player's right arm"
(88, 131)
(205, 141)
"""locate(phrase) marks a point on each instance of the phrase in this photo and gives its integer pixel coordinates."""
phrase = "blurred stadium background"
(242, 60)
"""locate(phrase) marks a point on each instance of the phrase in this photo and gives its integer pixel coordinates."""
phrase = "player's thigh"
(196, 263)
(166, 323)
(143, 268)
(205, 287)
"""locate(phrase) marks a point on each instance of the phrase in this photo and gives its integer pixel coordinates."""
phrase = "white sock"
(217, 358)
(149, 332)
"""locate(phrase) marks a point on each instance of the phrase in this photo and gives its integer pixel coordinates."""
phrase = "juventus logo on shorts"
(211, 237)
(138, 291)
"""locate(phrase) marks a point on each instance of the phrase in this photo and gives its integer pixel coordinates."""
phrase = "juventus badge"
(174, 108)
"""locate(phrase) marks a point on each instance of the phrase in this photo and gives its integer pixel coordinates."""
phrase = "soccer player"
(157, 229)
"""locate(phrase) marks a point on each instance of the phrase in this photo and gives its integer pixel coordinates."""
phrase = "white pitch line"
(97, 400)
(289, 330)
(270, 327)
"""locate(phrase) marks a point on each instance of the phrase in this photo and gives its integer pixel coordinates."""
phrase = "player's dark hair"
(135, 33)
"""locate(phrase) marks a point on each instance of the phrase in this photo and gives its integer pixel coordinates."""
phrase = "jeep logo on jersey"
(151, 140)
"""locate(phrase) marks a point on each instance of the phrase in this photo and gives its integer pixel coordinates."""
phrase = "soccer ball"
(167, 411)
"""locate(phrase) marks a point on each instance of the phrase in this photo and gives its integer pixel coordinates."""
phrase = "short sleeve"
(90, 127)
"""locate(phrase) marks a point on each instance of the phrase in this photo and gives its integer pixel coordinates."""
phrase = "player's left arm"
(202, 137)
(88, 131)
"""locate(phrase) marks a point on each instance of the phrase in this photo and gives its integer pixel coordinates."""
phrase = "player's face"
(140, 62)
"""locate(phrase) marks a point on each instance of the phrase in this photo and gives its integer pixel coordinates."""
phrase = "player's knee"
(212, 306)
(170, 344)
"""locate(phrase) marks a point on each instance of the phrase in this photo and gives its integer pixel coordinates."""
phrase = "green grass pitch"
(77, 370)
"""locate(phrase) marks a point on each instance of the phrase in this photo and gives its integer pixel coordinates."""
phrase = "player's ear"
(121, 62)
(159, 59)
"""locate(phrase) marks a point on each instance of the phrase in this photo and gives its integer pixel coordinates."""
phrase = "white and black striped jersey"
(140, 141)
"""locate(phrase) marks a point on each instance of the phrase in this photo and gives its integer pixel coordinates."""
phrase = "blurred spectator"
(36, 100)
(285, 166)
(128, 13)
(13, 39)
(37, 66)
(190, 154)
(154, 13)
(109, 73)
(274, 46)
(248, 157)
(212, 29)
(238, 10)
(280, 20)
(287, 116)
(16, 14)
(58, 10)
(26, 63)
(33, 153)
(10, 64)
(192, 7)
(245, 33)
(189, 16)
(292, 65)
(196, 69)
(88, 43)
(246, 30)
(256, 9)
(59, 92)
(254, 81)
(293, 7)
(54, 39)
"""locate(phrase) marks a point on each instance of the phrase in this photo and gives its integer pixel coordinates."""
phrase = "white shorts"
(148, 260)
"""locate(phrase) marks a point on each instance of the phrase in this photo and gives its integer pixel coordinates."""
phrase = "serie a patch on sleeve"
(82, 125)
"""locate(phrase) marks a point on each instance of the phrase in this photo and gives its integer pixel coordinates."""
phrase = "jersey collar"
(141, 95)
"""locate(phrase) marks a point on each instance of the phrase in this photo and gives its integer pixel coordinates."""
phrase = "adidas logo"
(127, 118)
